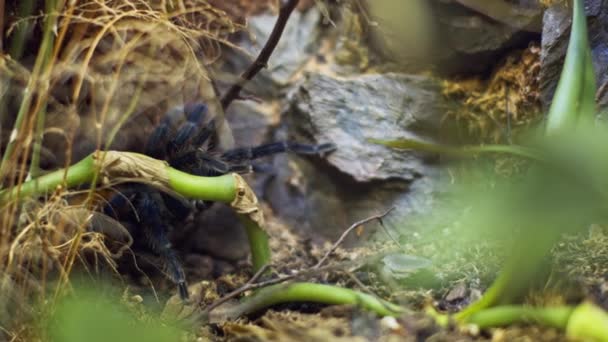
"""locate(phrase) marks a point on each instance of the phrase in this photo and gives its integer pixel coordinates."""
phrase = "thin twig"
(318, 268)
(359, 283)
(262, 60)
(388, 233)
(251, 285)
(248, 286)
(346, 232)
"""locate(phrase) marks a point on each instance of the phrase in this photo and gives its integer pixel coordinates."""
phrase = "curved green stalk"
(588, 323)
(519, 272)
(575, 94)
(77, 174)
(556, 317)
(216, 189)
(585, 322)
(317, 293)
(28, 94)
(46, 49)
(460, 151)
(19, 36)
(573, 103)
(258, 243)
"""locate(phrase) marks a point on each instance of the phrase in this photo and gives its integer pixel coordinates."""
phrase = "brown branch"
(346, 232)
(358, 282)
(252, 285)
(262, 60)
(248, 286)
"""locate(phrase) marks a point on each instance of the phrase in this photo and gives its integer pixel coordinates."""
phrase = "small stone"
(390, 323)
(137, 299)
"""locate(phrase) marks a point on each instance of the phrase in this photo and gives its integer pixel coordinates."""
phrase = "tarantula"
(191, 150)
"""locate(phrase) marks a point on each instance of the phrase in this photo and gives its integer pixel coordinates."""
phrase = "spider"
(193, 150)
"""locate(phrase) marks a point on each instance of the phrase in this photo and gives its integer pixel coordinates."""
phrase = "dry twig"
(346, 232)
(248, 286)
(262, 60)
(318, 268)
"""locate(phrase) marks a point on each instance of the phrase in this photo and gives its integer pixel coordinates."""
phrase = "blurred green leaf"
(588, 322)
(574, 98)
(460, 151)
(93, 319)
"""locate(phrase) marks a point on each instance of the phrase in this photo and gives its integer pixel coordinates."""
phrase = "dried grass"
(511, 95)
(109, 64)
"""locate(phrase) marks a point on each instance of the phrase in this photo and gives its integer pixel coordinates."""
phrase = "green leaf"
(459, 151)
(588, 322)
(574, 99)
(92, 318)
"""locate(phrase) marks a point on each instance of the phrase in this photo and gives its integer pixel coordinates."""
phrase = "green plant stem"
(46, 49)
(556, 317)
(573, 103)
(518, 274)
(77, 174)
(258, 243)
(222, 189)
(585, 322)
(575, 94)
(588, 322)
(317, 293)
(26, 9)
(459, 151)
(216, 189)
(31, 88)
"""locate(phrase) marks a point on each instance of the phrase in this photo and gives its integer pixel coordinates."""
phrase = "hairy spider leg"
(195, 114)
(178, 207)
(251, 153)
(200, 163)
(157, 142)
(150, 216)
(203, 136)
(116, 206)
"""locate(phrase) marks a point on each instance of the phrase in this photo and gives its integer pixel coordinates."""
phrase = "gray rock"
(556, 31)
(349, 112)
(319, 197)
(467, 36)
(474, 42)
(320, 202)
(322, 198)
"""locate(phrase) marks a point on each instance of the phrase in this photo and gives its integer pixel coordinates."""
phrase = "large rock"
(556, 32)
(460, 36)
(350, 111)
(360, 178)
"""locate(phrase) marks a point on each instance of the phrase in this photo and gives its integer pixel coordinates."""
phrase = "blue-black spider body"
(191, 149)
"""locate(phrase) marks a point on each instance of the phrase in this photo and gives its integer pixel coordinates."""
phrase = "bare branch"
(246, 287)
(262, 60)
(346, 232)
(305, 273)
